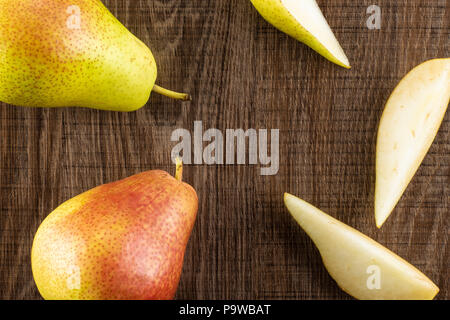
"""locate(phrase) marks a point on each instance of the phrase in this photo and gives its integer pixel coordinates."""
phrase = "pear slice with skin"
(409, 124)
(304, 21)
(351, 258)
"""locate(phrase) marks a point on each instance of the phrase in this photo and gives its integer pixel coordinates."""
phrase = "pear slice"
(409, 124)
(353, 259)
(304, 21)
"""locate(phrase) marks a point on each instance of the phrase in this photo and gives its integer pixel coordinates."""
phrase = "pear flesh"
(304, 21)
(410, 122)
(351, 257)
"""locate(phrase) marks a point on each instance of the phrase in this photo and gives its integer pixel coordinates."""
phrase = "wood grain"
(245, 74)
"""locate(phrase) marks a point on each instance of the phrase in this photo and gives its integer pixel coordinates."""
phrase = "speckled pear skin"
(44, 63)
(275, 13)
(120, 241)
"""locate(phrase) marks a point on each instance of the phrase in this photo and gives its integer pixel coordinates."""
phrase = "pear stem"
(172, 94)
(179, 170)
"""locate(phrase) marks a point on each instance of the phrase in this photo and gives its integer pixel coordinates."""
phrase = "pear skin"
(72, 53)
(303, 20)
(409, 124)
(121, 241)
(352, 259)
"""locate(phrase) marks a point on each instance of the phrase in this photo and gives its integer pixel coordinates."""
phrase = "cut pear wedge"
(361, 267)
(409, 124)
(304, 21)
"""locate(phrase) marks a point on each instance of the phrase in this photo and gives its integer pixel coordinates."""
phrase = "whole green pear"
(65, 53)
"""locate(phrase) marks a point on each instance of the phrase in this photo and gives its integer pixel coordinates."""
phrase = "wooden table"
(244, 74)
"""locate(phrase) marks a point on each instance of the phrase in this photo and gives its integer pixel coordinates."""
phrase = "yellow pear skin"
(303, 20)
(361, 267)
(409, 124)
(67, 53)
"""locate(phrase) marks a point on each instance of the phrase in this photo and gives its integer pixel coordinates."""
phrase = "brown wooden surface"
(245, 74)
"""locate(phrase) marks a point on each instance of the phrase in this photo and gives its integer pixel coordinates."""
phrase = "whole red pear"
(123, 240)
